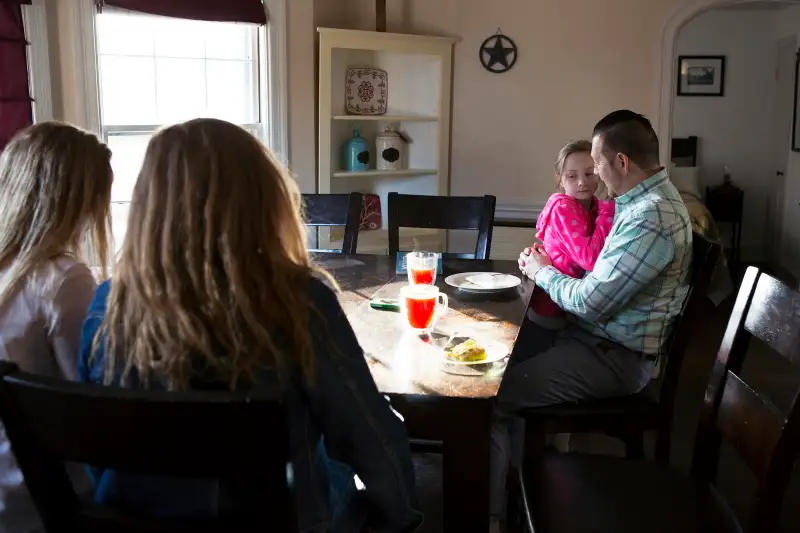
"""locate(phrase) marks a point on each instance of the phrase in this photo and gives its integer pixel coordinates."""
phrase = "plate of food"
(483, 281)
(468, 351)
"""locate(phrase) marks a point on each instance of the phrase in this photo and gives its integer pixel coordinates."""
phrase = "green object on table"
(385, 304)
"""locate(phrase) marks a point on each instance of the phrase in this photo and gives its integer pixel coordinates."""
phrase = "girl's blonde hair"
(55, 189)
(214, 270)
(572, 147)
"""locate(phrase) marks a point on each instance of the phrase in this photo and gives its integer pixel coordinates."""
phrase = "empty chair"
(579, 493)
(335, 210)
(239, 438)
(443, 212)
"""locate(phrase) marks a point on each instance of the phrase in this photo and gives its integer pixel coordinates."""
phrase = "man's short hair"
(629, 133)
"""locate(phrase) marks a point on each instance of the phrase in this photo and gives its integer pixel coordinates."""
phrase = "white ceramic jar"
(389, 150)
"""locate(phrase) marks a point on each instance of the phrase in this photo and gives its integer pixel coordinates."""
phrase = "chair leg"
(516, 503)
(663, 444)
(535, 440)
(634, 445)
(526, 506)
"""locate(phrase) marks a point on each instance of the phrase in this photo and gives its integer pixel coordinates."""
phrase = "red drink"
(423, 303)
(422, 267)
(420, 311)
(422, 276)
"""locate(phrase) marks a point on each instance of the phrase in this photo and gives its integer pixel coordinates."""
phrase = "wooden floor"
(767, 373)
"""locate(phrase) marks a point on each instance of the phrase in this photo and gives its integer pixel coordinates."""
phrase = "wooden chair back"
(766, 436)
(705, 256)
(236, 438)
(335, 210)
(446, 213)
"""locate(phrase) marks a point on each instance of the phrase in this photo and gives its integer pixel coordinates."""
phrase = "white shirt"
(40, 330)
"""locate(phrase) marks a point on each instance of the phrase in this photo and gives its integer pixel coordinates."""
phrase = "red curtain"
(213, 10)
(16, 111)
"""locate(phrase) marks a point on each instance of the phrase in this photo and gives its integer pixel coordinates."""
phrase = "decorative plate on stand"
(366, 91)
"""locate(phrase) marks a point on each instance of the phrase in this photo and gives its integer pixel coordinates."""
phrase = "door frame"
(778, 191)
(667, 55)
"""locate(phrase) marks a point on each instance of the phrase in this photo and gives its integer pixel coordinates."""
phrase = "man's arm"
(632, 258)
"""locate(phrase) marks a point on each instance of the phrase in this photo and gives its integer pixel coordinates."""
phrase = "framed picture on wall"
(701, 75)
(796, 114)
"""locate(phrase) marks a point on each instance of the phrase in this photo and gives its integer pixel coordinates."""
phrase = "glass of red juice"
(422, 267)
(422, 305)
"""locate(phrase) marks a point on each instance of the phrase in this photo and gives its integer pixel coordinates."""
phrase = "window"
(156, 71)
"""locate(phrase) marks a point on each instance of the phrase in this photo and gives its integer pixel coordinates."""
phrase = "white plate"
(503, 282)
(494, 352)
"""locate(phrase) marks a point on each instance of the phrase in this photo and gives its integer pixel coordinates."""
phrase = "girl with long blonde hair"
(55, 193)
(214, 288)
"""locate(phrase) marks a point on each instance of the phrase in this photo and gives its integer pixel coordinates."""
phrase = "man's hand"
(537, 260)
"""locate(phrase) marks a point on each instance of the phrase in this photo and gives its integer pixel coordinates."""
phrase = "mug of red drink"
(422, 267)
(422, 304)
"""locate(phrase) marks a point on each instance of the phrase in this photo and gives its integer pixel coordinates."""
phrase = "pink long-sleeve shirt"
(573, 238)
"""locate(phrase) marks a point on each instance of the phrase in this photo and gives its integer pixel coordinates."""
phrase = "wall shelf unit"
(387, 118)
(388, 173)
(419, 79)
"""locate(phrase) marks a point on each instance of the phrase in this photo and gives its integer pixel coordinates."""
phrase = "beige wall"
(578, 59)
(302, 92)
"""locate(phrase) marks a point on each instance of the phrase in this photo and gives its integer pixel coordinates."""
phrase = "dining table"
(447, 408)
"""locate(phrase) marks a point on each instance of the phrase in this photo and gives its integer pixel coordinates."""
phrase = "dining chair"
(651, 409)
(582, 493)
(445, 213)
(239, 439)
(335, 210)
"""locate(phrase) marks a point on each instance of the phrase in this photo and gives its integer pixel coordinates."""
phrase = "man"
(622, 312)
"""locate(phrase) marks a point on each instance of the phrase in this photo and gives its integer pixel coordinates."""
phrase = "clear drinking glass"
(421, 267)
(422, 305)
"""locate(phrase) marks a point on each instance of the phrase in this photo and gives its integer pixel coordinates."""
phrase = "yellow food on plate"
(467, 351)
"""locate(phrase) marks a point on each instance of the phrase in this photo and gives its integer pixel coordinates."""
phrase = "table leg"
(464, 426)
(465, 473)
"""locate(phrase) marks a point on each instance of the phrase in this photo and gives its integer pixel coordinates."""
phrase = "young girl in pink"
(573, 225)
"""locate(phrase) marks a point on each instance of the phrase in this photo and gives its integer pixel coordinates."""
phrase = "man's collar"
(642, 188)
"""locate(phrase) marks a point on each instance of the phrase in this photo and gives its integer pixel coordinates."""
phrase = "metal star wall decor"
(498, 53)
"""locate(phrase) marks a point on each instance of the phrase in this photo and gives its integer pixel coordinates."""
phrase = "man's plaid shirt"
(640, 280)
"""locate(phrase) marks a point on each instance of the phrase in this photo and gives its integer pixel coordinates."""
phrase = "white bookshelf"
(419, 72)
(387, 118)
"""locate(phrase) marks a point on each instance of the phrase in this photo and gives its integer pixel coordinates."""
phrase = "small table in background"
(725, 202)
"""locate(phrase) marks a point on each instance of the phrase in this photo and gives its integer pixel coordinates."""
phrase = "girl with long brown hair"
(55, 193)
(573, 226)
(214, 288)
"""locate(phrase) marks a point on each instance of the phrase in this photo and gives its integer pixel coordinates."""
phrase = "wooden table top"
(403, 363)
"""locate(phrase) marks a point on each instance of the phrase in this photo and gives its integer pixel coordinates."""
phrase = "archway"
(667, 80)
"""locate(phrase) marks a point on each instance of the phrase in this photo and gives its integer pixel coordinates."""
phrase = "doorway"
(782, 112)
(770, 207)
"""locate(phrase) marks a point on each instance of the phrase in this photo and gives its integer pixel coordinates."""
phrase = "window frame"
(80, 20)
(34, 19)
(271, 67)
(260, 89)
